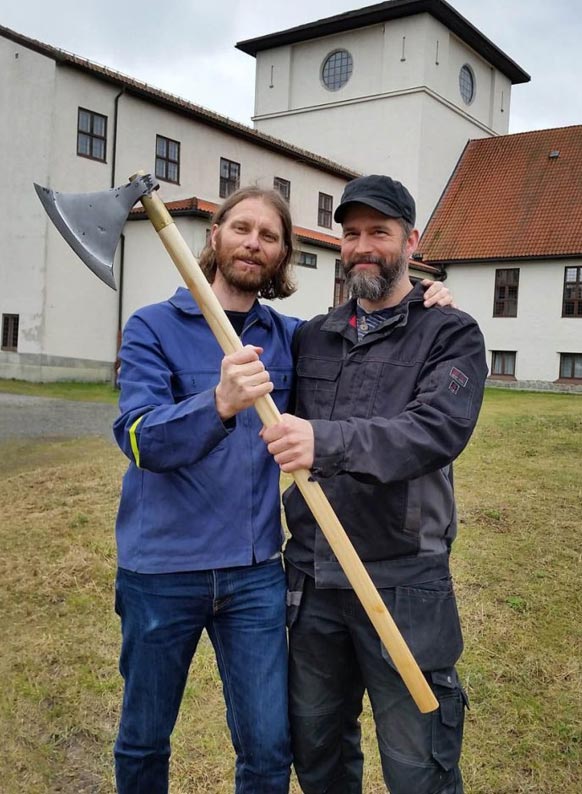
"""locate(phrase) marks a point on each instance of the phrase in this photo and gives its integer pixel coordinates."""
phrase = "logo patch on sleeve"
(458, 377)
(454, 387)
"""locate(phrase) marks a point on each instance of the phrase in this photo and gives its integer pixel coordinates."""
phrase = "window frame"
(503, 375)
(503, 282)
(93, 136)
(302, 256)
(324, 213)
(167, 160)
(335, 77)
(10, 331)
(283, 187)
(228, 184)
(465, 68)
(577, 288)
(572, 378)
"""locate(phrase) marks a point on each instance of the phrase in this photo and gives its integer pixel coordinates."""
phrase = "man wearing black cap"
(388, 394)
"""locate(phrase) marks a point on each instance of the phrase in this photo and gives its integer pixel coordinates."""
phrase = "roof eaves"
(383, 12)
(487, 260)
(306, 238)
(180, 105)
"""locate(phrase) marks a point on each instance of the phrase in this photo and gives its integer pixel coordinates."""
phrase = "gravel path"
(22, 416)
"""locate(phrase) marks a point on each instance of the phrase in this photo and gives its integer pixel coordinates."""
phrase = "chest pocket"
(317, 382)
(186, 384)
(282, 379)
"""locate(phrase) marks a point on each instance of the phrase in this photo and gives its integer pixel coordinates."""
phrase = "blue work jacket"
(198, 494)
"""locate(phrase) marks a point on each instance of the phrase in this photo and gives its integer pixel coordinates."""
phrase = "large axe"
(92, 224)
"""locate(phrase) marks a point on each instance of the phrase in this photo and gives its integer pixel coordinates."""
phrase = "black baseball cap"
(381, 193)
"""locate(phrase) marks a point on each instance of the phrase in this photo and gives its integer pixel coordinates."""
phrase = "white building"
(395, 88)
(75, 126)
(508, 230)
(401, 87)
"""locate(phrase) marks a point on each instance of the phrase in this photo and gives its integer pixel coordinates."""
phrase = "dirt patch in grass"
(516, 565)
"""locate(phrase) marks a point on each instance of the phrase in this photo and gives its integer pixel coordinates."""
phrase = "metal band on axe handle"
(92, 224)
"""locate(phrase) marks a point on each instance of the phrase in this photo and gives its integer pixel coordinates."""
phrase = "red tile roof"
(192, 205)
(511, 197)
(207, 206)
(309, 235)
(422, 267)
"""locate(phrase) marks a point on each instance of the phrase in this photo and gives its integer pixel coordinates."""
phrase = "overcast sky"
(186, 47)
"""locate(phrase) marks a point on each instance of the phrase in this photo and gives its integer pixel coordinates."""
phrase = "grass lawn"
(516, 565)
(63, 390)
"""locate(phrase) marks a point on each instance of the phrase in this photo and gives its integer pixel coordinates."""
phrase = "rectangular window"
(283, 186)
(503, 363)
(91, 135)
(167, 159)
(572, 303)
(506, 289)
(325, 210)
(339, 284)
(571, 366)
(229, 177)
(307, 260)
(10, 331)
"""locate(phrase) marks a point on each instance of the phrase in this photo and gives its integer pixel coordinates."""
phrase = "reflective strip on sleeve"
(133, 440)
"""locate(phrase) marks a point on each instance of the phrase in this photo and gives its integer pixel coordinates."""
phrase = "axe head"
(92, 223)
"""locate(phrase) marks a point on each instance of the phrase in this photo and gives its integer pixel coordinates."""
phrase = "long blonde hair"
(282, 284)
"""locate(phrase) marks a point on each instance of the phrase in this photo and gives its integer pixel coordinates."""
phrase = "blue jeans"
(335, 655)
(162, 618)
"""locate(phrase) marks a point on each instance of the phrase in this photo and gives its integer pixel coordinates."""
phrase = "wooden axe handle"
(336, 536)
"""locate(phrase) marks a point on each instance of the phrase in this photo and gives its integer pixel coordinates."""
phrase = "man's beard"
(374, 286)
(245, 281)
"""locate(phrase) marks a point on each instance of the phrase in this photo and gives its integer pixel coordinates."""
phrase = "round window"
(337, 69)
(467, 84)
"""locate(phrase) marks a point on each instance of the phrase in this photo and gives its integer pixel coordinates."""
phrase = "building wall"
(80, 311)
(400, 55)
(27, 85)
(539, 333)
(440, 147)
(489, 108)
(391, 143)
(149, 273)
(417, 146)
(400, 113)
(201, 149)
(68, 318)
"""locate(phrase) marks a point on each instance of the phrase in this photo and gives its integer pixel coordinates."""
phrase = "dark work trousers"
(335, 654)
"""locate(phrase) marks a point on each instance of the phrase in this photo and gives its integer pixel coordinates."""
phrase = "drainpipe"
(121, 244)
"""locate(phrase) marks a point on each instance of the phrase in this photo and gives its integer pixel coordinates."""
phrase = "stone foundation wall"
(47, 369)
(535, 385)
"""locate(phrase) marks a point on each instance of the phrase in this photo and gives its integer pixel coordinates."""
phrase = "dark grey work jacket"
(390, 414)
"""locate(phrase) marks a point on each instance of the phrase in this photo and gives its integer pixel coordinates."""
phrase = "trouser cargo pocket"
(428, 619)
(448, 720)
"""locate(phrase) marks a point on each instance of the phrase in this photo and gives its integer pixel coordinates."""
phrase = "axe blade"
(92, 223)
